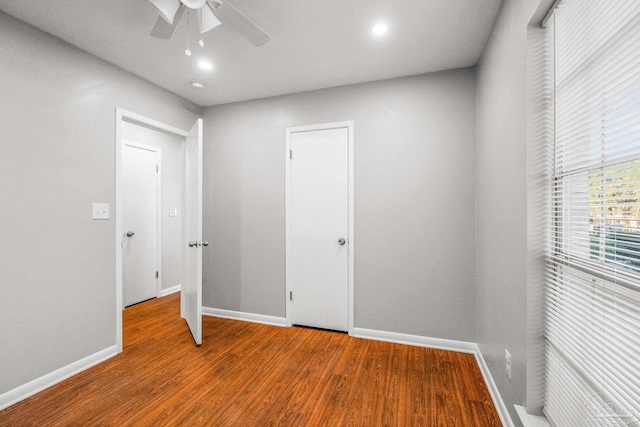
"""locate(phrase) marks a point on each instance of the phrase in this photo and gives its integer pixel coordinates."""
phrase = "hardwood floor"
(247, 374)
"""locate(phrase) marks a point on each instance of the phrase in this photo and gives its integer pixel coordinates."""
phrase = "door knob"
(130, 233)
(204, 243)
(341, 241)
(192, 244)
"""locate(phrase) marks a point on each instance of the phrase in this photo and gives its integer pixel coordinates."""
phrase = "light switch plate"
(101, 211)
(173, 211)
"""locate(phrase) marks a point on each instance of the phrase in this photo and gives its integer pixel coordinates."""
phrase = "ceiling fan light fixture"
(207, 19)
(166, 8)
(166, 24)
(198, 84)
(193, 4)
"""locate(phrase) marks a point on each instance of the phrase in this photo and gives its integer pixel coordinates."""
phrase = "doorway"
(189, 242)
(320, 242)
(140, 168)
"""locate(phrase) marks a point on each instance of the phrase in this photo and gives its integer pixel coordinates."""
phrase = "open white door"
(191, 292)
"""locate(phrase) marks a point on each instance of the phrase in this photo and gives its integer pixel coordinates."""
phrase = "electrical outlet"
(507, 363)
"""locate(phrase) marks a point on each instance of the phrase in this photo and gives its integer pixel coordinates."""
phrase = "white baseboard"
(493, 390)
(247, 317)
(417, 340)
(529, 420)
(32, 387)
(168, 291)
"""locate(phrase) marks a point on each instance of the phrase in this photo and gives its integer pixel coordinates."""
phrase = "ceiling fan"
(210, 13)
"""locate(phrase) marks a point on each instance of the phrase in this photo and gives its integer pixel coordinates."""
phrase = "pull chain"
(188, 51)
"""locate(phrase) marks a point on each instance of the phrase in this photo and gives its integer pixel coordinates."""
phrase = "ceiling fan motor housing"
(209, 17)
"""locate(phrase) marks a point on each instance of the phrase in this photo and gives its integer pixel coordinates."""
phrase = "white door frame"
(351, 238)
(124, 115)
(158, 152)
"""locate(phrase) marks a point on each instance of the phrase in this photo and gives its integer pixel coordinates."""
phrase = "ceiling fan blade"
(162, 29)
(233, 18)
(207, 19)
(166, 8)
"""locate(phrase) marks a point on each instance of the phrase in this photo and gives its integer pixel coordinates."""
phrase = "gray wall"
(502, 198)
(415, 201)
(57, 266)
(172, 179)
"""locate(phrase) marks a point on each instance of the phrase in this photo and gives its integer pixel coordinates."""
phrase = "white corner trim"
(32, 387)
(247, 317)
(417, 340)
(529, 420)
(169, 291)
(503, 413)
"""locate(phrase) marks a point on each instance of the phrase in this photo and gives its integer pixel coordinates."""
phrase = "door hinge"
(157, 168)
(157, 275)
(290, 295)
(291, 154)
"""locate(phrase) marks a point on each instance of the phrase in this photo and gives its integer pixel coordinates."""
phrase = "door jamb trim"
(349, 125)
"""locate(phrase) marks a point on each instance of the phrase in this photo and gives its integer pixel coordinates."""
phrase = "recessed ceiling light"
(205, 65)
(379, 29)
(198, 84)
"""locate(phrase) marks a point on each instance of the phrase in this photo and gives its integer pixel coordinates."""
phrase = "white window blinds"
(593, 268)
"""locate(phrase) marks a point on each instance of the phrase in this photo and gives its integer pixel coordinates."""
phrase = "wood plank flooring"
(247, 374)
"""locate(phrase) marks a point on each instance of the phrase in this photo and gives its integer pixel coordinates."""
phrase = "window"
(593, 263)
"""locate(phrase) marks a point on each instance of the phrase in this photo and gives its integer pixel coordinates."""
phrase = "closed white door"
(140, 223)
(319, 228)
(191, 291)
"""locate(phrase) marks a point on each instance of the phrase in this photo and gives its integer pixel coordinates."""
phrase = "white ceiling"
(315, 43)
